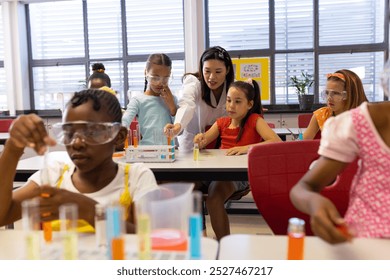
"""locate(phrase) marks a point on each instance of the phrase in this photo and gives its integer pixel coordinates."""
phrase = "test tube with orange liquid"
(135, 138)
(296, 238)
(46, 226)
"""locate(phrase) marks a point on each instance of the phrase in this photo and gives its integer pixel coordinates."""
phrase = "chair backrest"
(273, 169)
(271, 125)
(5, 124)
(303, 122)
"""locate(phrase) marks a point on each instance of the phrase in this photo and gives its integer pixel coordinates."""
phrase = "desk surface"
(212, 165)
(12, 244)
(3, 137)
(270, 247)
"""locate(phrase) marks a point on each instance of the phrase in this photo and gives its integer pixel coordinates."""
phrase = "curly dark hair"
(101, 99)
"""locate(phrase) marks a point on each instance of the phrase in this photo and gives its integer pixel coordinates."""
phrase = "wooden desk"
(3, 137)
(212, 165)
(12, 244)
(274, 247)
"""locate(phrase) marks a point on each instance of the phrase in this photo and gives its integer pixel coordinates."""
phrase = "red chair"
(273, 169)
(271, 125)
(303, 122)
(5, 124)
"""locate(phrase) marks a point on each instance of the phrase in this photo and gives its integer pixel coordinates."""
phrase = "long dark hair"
(252, 93)
(218, 53)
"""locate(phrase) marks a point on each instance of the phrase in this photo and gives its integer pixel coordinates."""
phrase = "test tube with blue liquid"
(114, 227)
(195, 224)
(171, 142)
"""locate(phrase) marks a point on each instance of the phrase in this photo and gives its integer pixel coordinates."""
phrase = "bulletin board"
(256, 69)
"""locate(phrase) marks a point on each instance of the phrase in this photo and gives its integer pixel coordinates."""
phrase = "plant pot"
(306, 102)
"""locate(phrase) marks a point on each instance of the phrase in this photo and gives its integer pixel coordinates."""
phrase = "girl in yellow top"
(344, 91)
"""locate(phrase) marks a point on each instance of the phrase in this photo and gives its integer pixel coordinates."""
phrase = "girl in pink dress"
(241, 129)
(364, 133)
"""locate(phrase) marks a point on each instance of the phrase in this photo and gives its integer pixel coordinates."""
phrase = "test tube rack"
(150, 153)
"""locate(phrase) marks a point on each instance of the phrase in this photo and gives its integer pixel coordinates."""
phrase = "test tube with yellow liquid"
(144, 238)
(196, 151)
(68, 219)
(31, 226)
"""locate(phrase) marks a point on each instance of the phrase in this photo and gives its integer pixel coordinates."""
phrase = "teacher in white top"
(204, 96)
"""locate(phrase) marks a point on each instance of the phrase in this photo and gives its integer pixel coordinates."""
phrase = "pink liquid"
(169, 240)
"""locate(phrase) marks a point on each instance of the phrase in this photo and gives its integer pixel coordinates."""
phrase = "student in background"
(364, 133)
(90, 130)
(157, 106)
(98, 77)
(344, 91)
(204, 96)
(242, 128)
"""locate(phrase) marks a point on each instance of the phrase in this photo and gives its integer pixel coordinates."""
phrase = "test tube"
(196, 151)
(135, 138)
(195, 224)
(100, 225)
(31, 226)
(114, 229)
(68, 219)
(45, 180)
(144, 238)
(296, 237)
(171, 142)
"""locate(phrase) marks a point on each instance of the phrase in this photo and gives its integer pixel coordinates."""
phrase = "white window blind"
(341, 23)
(294, 27)
(54, 85)
(155, 26)
(57, 30)
(1, 35)
(368, 66)
(54, 39)
(350, 22)
(239, 25)
(104, 29)
(3, 94)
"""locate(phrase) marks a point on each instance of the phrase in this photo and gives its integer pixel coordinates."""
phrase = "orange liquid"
(169, 140)
(135, 142)
(126, 142)
(118, 249)
(169, 240)
(47, 231)
(295, 246)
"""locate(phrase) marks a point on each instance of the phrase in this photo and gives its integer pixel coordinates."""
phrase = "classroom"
(235, 110)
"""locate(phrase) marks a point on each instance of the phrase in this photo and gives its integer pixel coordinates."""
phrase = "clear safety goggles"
(91, 133)
(334, 95)
(157, 79)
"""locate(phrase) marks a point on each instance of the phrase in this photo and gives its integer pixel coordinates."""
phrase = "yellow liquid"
(144, 241)
(32, 246)
(70, 246)
(196, 154)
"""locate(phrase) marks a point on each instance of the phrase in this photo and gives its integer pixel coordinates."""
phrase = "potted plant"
(302, 85)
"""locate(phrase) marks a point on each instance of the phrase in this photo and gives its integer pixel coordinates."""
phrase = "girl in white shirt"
(90, 131)
(204, 96)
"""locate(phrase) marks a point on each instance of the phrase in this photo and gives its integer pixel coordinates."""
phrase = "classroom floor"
(243, 219)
